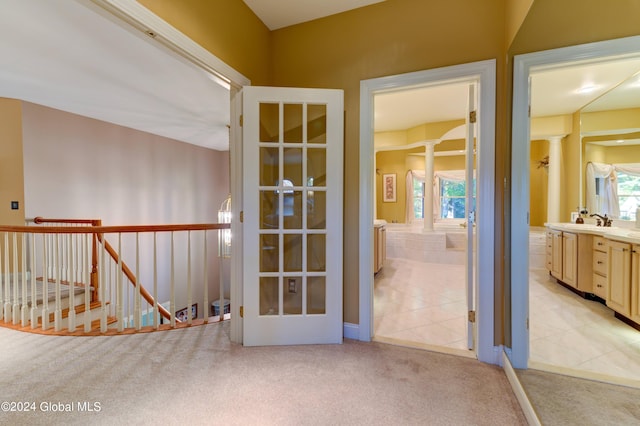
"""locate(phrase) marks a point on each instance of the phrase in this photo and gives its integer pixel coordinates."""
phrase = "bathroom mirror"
(610, 134)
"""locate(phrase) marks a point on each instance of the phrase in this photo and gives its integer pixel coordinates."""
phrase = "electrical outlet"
(292, 285)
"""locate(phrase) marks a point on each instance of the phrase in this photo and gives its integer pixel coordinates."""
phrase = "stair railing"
(173, 257)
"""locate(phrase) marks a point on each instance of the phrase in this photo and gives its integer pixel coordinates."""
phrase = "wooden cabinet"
(554, 253)
(600, 267)
(549, 249)
(619, 277)
(570, 259)
(635, 283)
(379, 247)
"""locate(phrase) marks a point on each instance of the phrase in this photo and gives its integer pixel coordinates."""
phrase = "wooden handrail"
(132, 278)
(114, 229)
(94, 222)
(95, 227)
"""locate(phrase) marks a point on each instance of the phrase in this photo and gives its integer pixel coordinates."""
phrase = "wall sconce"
(224, 235)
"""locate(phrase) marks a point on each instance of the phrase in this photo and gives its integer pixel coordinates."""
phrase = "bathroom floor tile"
(426, 303)
(421, 303)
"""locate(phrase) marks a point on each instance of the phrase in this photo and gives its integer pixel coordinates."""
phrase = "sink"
(582, 227)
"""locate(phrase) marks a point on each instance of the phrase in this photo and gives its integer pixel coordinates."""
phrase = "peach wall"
(11, 165)
(392, 37)
(78, 167)
(227, 28)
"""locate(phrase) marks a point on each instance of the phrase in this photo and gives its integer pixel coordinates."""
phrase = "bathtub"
(445, 244)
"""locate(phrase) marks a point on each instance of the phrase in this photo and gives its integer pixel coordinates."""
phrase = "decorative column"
(553, 188)
(428, 185)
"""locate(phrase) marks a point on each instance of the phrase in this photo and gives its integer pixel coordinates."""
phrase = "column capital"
(431, 144)
(555, 138)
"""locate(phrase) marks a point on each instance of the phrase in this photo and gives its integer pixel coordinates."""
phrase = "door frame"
(130, 12)
(303, 327)
(520, 157)
(484, 72)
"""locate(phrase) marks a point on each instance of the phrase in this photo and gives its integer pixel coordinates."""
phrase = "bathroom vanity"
(598, 263)
(379, 244)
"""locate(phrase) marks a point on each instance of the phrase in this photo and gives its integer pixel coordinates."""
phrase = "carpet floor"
(196, 376)
(567, 401)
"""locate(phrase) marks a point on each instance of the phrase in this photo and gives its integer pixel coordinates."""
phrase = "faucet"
(605, 220)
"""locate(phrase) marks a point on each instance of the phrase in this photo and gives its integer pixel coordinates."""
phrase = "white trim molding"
(523, 66)
(483, 73)
(130, 12)
(351, 331)
(135, 14)
(521, 395)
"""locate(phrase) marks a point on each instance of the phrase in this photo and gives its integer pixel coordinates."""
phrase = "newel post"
(94, 263)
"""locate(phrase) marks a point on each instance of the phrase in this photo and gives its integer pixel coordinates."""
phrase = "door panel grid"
(298, 275)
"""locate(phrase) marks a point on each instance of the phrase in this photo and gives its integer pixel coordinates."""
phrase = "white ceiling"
(401, 110)
(277, 14)
(70, 55)
(612, 85)
(588, 87)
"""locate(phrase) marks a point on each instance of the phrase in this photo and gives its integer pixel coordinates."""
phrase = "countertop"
(628, 235)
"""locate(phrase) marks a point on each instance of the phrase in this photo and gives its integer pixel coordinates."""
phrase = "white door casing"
(293, 210)
(523, 66)
(484, 72)
(470, 213)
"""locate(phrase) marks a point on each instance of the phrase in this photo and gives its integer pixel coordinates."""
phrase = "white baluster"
(3, 281)
(156, 312)
(172, 297)
(57, 316)
(86, 279)
(45, 284)
(72, 286)
(137, 315)
(34, 289)
(119, 289)
(16, 281)
(24, 309)
(102, 284)
(189, 295)
(7, 280)
(205, 305)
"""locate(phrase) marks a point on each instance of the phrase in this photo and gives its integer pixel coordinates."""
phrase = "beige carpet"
(567, 401)
(195, 376)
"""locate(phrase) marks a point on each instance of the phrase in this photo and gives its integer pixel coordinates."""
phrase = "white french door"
(293, 210)
(470, 213)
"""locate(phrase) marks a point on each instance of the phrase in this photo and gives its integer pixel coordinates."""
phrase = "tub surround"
(445, 244)
(599, 263)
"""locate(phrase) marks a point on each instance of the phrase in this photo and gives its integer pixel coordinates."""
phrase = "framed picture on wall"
(389, 188)
(182, 313)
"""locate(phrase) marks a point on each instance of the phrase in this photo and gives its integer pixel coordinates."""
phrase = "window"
(451, 195)
(418, 198)
(628, 195)
(452, 198)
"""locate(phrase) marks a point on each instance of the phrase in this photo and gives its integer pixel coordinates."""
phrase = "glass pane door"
(299, 211)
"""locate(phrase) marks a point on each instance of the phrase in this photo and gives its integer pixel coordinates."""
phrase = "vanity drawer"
(600, 286)
(599, 243)
(549, 243)
(600, 263)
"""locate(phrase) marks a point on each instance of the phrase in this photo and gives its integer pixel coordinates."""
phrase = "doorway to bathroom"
(432, 291)
(568, 333)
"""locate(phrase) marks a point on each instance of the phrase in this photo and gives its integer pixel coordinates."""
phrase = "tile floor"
(421, 303)
(424, 304)
(572, 333)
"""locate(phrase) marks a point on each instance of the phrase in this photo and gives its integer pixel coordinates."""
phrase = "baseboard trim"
(351, 331)
(518, 390)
